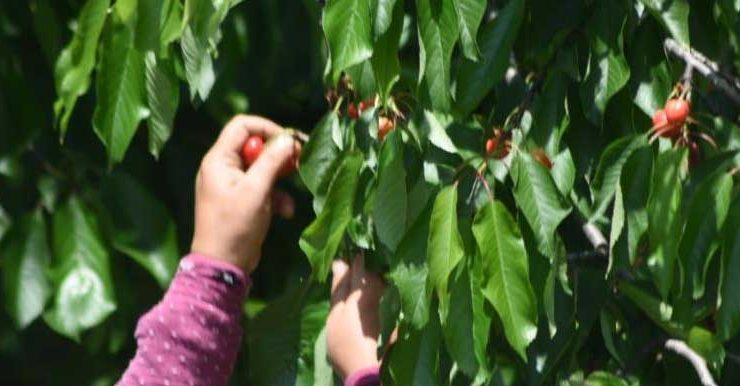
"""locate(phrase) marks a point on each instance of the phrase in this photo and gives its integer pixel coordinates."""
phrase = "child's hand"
(233, 208)
(353, 325)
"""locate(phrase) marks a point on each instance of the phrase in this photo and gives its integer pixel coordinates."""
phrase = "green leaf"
(728, 315)
(506, 266)
(148, 24)
(142, 227)
(198, 64)
(385, 63)
(320, 240)
(410, 272)
(664, 218)
(390, 206)
(120, 91)
(281, 340)
(707, 345)
(602, 378)
(77, 60)
(80, 274)
(348, 31)
(659, 312)
(476, 79)
(539, 199)
(323, 374)
(651, 75)
(635, 186)
(550, 118)
(5, 222)
(673, 15)
(438, 33)
(564, 172)
(26, 258)
(445, 248)
(435, 124)
(469, 16)
(163, 97)
(414, 358)
(608, 70)
(320, 156)
(384, 16)
(706, 215)
(610, 168)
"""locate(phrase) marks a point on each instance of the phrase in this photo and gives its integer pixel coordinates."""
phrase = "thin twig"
(700, 365)
(729, 84)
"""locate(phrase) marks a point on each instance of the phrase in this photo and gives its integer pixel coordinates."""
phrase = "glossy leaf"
(121, 104)
(476, 79)
(25, 262)
(610, 169)
(163, 98)
(705, 217)
(320, 241)
(348, 29)
(83, 288)
(539, 200)
(664, 218)
(673, 14)
(320, 156)
(390, 208)
(507, 274)
(142, 227)
(608, 70)
(438, 33)
(385, 62)
(445, 248)
(469, 16)
(75, 64)
(728, 315)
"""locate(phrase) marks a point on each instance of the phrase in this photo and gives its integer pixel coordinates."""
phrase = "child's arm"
(193, 335)
(353, 325)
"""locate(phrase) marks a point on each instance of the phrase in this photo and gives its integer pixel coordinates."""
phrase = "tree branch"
(729, 84)
(700, 365)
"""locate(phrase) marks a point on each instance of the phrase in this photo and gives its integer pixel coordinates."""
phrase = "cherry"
(659, 118)
(352, 111)
(491, 145)
(677, 111)
(366, 104)
(252, 149)
(540, 156)
(663, 127)
(385, 126)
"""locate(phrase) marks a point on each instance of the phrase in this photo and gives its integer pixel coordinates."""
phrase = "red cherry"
(352, 111)
(677, 111)
(659, 118)
(366, 104)
(385, 126)
(252, 149)
(491, 145)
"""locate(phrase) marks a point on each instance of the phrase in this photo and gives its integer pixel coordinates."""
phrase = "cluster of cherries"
(669, 121)
(499, 146)
(385, 124)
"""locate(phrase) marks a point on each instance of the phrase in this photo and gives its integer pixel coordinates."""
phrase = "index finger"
(235, 133)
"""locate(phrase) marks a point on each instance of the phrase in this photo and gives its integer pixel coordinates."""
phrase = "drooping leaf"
(148, 24)
(664, 218)
(659, 312)
(476, 79)
(507, 274)
(539, 199)
(320, 240)
(550, 118)
(383, 16)
(608, 70)
(320, 157)
(438, 33)
(121, 92)
(163, 97)
(673, 15)
(635, 186)
(142, 228)
(469, 16)
(651, 76)
(435, 125)
(390, 208)
(80, 274)
(414, 359)
(610, 168)
(564, 172)
(75, 64)
(348, 29)
(385, 62)
(705, 217)
(445, 248)
(728, 314)
(26, 258)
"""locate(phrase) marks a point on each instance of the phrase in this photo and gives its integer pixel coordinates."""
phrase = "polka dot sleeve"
(193, 335)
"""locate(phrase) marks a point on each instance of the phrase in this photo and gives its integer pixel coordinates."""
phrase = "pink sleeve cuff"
(366, 377)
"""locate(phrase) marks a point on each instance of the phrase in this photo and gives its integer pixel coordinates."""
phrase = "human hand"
(353, 325)
(233, 207)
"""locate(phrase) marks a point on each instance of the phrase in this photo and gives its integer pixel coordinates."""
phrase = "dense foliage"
(493, 159)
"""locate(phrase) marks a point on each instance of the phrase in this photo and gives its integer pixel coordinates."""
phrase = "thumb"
(277, 153)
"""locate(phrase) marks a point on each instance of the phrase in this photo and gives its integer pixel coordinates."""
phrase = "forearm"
(193, 335)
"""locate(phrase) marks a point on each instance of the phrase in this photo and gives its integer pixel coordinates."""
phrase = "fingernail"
(284, 141)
